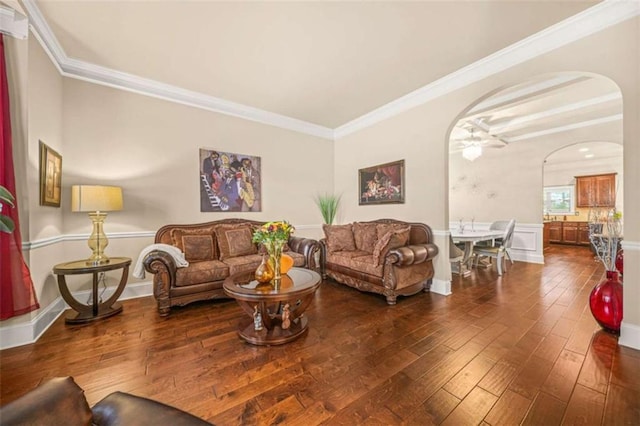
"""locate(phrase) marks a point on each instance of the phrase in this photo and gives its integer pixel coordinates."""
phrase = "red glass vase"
(605, 302)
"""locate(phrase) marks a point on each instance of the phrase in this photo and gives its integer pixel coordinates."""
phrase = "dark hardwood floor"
(520, 349)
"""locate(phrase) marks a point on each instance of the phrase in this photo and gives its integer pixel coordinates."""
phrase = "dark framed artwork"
(229, 182)
(50, 176)
(382, 184)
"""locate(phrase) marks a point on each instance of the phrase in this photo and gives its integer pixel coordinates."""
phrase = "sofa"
(385, 256)
(60, 401)
(214, 251)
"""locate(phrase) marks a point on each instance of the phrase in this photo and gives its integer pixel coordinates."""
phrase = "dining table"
(471, 238)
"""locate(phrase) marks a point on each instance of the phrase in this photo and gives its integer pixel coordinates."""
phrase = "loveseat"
(60, 401)
(385, 256)
(214, 251)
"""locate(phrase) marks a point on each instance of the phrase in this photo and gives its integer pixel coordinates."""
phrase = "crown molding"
(13, 23)
(592, 20)
(81, 70)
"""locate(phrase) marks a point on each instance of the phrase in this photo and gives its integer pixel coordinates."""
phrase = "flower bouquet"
(273, 236)
(605, 301)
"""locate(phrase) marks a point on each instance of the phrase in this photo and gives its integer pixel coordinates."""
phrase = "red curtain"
(17, 295)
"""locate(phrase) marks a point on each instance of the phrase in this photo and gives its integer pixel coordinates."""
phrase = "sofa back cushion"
(394, 238)
(235, 240)
(197, 244)
(365, 236)
(339, 237)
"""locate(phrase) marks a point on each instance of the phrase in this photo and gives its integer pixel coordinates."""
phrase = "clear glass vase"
(275, 253)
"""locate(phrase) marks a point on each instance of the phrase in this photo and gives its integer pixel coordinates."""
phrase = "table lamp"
(97, 200)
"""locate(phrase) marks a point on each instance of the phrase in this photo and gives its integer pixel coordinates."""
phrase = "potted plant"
(6, 223)
(328, 205)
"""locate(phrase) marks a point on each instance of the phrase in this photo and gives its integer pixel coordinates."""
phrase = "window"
(559, 199)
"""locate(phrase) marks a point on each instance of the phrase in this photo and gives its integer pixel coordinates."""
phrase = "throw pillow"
(200, 248)
(365, 236)
(383, 228)
(392, 239)
(235, 240)
(339, 237)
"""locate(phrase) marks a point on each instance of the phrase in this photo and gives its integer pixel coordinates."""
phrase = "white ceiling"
(566, 108)
(324, 62)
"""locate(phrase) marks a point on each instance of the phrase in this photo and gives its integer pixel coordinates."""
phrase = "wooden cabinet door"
(605, 188)
(583, 233)
(585, 193)
(555, 232)
(570, 232)
(545, 235)
(596, 190)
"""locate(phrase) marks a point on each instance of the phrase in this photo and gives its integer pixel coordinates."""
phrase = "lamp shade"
(95, 198)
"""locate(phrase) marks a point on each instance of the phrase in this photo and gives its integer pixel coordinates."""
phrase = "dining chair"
(500, 250)
(456, 256)
(500, 225)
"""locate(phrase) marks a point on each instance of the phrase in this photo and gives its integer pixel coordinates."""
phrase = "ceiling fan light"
(472, 152)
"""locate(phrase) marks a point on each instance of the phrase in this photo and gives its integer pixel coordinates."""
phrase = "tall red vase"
(605, 302)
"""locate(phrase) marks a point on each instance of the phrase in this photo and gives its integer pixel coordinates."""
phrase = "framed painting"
(382, 184)
(50, 176)
(229, 182)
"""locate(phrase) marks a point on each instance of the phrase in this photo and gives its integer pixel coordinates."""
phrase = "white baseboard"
(629, 335)
(442, 287)
(29, 332)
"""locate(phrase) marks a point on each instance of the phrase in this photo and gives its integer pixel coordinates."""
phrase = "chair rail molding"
(527, 240)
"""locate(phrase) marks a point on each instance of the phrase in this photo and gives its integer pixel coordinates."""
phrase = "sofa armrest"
(58, 401)
(306, 247)
(162, 265)
(412, 255)
(121, 408)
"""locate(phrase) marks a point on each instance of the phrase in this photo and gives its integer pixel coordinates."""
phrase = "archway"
(506, 137)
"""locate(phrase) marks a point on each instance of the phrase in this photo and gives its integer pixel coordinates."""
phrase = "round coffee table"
(276, 310)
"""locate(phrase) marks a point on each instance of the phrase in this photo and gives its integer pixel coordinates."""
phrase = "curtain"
(17, 295)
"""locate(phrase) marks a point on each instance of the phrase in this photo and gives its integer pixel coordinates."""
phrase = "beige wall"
(151, 148)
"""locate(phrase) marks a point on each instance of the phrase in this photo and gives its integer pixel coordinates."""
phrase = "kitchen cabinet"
(570, 232)
(596, 190)
(546, 228)
(576, 233)
(555, 232)
(583, 233)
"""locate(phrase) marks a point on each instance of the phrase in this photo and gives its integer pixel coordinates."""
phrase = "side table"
(97, 310)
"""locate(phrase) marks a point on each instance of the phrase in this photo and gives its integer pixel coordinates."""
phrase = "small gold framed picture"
(50, 176)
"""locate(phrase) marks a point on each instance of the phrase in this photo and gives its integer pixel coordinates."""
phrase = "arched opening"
(499, 144)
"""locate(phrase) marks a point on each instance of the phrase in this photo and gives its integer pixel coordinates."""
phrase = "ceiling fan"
(472, 145)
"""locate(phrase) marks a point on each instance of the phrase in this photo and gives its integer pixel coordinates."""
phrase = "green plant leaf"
(6, 224)
(328, 205)
(5, 196)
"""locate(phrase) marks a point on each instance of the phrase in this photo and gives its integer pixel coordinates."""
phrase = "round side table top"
(81, 266)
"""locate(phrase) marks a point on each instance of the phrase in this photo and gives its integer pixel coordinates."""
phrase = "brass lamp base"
(98, 240)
